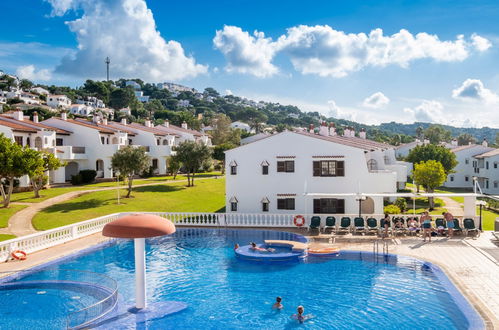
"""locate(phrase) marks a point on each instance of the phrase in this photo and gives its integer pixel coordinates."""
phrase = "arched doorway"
(71, 169)
(38, 142)
(367, 206)
(115, 140)
(99, 167)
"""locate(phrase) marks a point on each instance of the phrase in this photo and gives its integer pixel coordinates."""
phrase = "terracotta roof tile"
(490, 153)
(17, 127)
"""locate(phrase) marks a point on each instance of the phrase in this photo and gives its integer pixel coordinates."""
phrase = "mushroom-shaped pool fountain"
(139, 227)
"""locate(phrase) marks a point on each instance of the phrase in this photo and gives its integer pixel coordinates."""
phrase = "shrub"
(392, 209)
(88, 176)
(401, 203)
(76, 179)
(147, 173)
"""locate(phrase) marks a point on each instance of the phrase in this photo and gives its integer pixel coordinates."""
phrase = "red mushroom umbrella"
(139, 227)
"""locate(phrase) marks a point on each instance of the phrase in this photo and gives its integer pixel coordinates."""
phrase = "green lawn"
(6, 213)
(488, 218)
(4, 237)
(27, 197)
(205, 196)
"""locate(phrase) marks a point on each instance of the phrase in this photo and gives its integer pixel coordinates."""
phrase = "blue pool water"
(198, 267)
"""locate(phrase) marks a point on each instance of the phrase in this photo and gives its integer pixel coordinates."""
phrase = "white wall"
(249, 186)
(463, 170)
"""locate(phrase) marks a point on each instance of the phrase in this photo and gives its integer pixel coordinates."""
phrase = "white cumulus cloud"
(324, 51)
(473, 89)
(336, 112)
(246, 53)
(429, 111)
(124, 30)
(376, 101)
(29, 72)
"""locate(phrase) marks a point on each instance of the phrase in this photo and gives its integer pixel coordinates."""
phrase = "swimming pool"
(198, 267)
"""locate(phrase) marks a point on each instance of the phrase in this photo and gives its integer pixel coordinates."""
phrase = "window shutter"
(340, 206)
(291, 202)
(290, 166)
(281, 204)
(317, 170)
(281, 167)
(317, 204)
(340, 168)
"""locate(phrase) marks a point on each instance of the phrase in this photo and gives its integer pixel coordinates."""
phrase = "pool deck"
(472, 264)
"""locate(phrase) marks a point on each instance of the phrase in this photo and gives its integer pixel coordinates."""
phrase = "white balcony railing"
(45, 239)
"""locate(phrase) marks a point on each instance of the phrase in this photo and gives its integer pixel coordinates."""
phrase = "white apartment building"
(58, 101)
(486, 170)
(34, 135)
(141, 97)
(39, 90)
(273, 174)
(133, 84)
(185, 133)
(158, 143)
(464, 170)
(91, 101)
(90, 146)
(403, 150)
(184, 103)
(81, 110)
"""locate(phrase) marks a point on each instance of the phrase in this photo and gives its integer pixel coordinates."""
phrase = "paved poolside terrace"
(472, 264)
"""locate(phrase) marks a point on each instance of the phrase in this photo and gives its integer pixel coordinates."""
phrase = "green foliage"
(25, 84)
(441, 154)
(211, 92)
(437, 134)
(401, 203)
(430, 175)
(99, 89)
(222, 132)
(121, 98)
(392, 209)
(192, 155)
(88, 176)
(174, 165)
(254, 118)
(76, 179)
(129, 161)
(465, 139)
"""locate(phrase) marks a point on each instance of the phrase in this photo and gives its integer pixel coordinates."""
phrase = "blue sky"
(319, 55)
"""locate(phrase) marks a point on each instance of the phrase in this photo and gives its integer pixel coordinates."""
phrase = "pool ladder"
(376, 247)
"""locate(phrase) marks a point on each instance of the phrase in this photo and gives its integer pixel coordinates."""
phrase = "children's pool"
(198, 267)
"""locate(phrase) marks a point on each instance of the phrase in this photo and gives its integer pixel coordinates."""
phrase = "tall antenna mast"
(107, 67)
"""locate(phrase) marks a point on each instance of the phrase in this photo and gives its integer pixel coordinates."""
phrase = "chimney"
(147, 123)
(35, 117)
(362, 133)
(311, 128)
(64, 115)
(123, 121)
(18, 115)
(346, 132)
(184, 125)
(166, 123)
(485, 143)
(352, 132)
(323, 130)
(104, 121)
(332, 129)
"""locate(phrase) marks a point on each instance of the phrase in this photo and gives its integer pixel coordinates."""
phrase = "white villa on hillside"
(464, 172)
(58, 101)
(242, 126)
(184, 133)
(273, 174)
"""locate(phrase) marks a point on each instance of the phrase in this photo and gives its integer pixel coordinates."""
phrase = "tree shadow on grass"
(72, 206)
(159, 188)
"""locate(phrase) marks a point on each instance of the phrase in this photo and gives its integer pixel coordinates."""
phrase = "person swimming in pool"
(299, 316)
(277, 304)
(254, 247)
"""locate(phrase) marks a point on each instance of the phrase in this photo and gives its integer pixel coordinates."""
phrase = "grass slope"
(4, 237)
(6, 213)
(206, 196)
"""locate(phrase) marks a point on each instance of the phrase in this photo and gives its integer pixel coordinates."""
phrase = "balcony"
(70, 152)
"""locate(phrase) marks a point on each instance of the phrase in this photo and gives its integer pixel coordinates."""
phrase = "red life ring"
(299, 220)
(19, 255)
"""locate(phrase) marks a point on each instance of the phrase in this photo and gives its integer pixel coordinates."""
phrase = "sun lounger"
(315, 223)
(469, 227)
(359, 225)
(398, 226)
(441, 225)
(330, 223)
(345, 223)
(457, 227)
(372, 225)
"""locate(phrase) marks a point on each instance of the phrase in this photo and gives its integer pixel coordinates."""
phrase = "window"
(467, 161)
(155, 163)
(329, 168)
(496, 184)
(372, 165)
(285, 203)
(28, 141)
(495, 165)
(46, 141)
(452, 178)
(233, 204)
(265, 204)
(265, 167)
(130, 142)
(18, 140)
(487, 165)
(387, 159)
(467, 178)
(233, 170)
(286, 166)
(329, 205)
(487, 184)
(102, 140)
